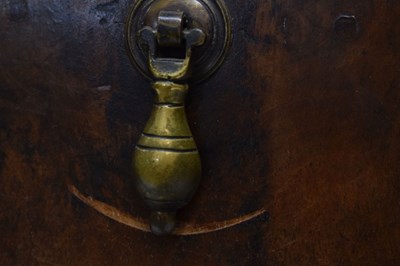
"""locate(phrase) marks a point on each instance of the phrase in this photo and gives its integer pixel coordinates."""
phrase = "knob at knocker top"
(166, 162)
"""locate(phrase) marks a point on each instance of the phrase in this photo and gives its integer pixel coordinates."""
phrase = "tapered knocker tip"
(162, 223)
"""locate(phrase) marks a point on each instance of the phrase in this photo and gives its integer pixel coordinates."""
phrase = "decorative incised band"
(173, 143)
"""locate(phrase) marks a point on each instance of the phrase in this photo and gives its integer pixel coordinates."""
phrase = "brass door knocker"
(173, 43)
(165, 34)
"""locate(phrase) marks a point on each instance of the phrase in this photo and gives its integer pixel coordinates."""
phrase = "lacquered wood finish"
(302, 119)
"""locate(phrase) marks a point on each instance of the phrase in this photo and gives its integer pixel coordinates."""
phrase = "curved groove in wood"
(140, 224)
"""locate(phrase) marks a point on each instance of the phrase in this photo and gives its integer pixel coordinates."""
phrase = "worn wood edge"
(142, 225)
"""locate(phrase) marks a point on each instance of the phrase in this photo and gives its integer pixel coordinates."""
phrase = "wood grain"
(302, 120)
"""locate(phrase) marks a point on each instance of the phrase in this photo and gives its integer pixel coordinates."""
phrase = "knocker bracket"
(170, 35)
(207, 16)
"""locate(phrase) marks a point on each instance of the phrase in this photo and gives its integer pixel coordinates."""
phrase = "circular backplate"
(208, 15)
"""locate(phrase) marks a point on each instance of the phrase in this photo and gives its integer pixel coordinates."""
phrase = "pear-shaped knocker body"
(166, 161)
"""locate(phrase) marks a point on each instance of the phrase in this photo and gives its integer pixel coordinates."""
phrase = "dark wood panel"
(302, 120)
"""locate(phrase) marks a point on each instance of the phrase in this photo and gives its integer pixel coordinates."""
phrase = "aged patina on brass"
(166, 161)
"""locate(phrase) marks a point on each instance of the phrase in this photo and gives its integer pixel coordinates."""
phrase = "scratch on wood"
(142, 225)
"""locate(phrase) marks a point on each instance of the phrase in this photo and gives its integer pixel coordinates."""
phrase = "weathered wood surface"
(303, 119)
